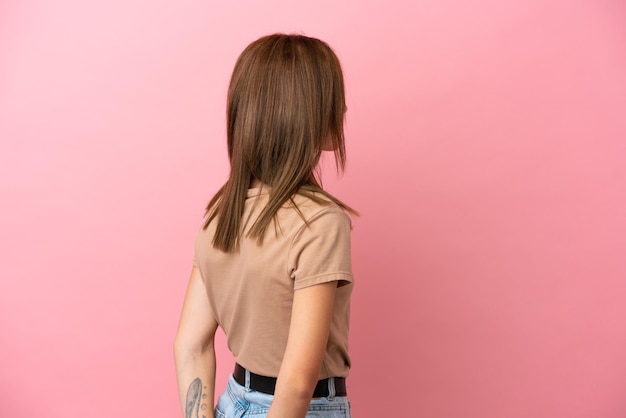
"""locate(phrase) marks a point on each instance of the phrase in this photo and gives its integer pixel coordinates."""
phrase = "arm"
(311, 316)
(194, 352)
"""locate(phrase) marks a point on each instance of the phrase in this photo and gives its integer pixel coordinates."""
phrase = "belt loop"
(247, 385)
(331, 388)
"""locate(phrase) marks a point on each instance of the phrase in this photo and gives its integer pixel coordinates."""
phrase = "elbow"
(181, 351)
(302, 392)
(298, 387)
(181, 348)
(184, 348)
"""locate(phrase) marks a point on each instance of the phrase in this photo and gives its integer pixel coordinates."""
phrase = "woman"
(272, 259)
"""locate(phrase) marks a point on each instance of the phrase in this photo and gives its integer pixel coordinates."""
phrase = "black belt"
(268, 384)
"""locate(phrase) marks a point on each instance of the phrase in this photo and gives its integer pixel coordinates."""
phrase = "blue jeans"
(239, 402)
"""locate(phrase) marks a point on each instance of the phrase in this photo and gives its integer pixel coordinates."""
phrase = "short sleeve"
(320, 251)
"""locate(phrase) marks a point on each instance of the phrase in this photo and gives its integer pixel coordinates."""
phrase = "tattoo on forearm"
(194, 394)
(203, 406)
(194, 397)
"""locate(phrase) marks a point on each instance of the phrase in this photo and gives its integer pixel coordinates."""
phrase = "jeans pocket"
(336, 407)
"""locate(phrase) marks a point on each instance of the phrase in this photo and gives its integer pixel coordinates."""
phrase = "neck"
(256, 183)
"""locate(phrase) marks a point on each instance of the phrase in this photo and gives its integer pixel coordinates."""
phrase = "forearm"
(195, 375)
(308, 335)
(289, 401)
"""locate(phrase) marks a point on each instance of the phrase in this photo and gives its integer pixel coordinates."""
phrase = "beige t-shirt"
(251, 291)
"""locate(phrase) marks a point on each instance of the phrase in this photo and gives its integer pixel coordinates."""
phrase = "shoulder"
(332, 215)
(319, 209)
(320, 248)
(327, 223)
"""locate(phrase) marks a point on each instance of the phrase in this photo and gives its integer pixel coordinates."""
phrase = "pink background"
(486, 146)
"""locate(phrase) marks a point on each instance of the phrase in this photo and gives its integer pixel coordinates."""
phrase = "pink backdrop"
(486, 142)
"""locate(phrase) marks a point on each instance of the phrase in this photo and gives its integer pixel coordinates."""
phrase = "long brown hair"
(285, 100)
